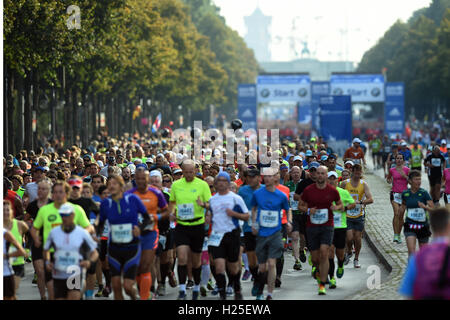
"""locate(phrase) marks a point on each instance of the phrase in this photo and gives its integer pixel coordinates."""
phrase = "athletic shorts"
(339, 237)
(192, 236)
(434, 180)
(168, 245)
(270, 247)
(299, 223)
(60, 288)
(9, 287)
(103, 250)
(241, 241)
(423, 234)
(249, 242)
(229, 247)
(356, 224)
(124, 259)
(318, 236)
(376, 154)
(417, 168)
(49, 274)
(385, 156)
(37, 253)
(19, 271)
(150, 240)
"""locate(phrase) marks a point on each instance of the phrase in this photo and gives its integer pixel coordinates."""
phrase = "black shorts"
(229, 247)
(249, 242)
(48, 274)
(37, 253)
(299, 223)
(124, 259)
(318, 236)
(60, 288)
(168, 244)
(339, 238)
(423, 234)
(9, 287)
(434, 180)
(192, 236)
(19, 271)
(376, 154)
(385, 157)
(103, 250)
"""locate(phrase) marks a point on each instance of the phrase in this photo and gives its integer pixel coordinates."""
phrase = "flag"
(156, 124)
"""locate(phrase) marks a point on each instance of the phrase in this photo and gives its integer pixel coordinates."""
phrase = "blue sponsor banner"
(361, 87)
(247, 106)
(276, 87)
(318, 89)
(336, 118)
(394, 109)
(304, 113)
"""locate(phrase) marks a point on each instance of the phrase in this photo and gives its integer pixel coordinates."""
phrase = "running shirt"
(122, 216)
(399, 182)
(437, 162)
(221, 222)
(285, 190)
(322, 200)
(17, 261)
(357, 193)
(246, 192)
(269, 213)
(447, 180)
(375, 145)
(153, 199)
(415, 214)
(355, 154)
(185, 195)
(48, 218)
(70, 249)
(7, 269)
(340, 217)
(293, 204)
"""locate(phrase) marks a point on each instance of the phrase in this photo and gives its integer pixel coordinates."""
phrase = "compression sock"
(206, 272)
(230, 279)
(245, 260)
(164, 269)
(197, 275)
(145, 284)
(331, 268)
(262, 279)
(237, 282)
(221, 282)
(280, 264)
(182, 274)
(254, 272)
(107, 276)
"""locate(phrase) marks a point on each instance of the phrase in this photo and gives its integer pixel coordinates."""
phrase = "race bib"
(12, 249)
(186, 211)
(398, 198)
(65, 259)
(122, 233)
(205, 244)
(320, 217)
(387, 149)
(337, 217)
(355, 211)
(293, 203)
(215, 239)
(106, 229)
(436, 162)
(269, 218)
(162, 240)
(417, 214)
(356, 161)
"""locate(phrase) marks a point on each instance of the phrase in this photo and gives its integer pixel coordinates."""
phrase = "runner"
(74, 249)
(435, 163)
(153, 200)
(267, 204)
(386, 150)
(191, 195)
(391, 160)
(226, 209)
(417, 202)
(317, 200)
(359, 190)
(340, 230)
(375, 146)
(355, 153)
(123, 212)
(416, 157)
(398, 176)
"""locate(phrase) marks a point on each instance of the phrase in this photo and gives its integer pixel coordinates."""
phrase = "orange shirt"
(353, 153)
(153, 199)
(287, 192)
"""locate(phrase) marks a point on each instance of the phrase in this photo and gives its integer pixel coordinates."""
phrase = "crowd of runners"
(132, 216)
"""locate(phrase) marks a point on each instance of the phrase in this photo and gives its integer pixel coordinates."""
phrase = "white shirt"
(219, 204)
(32, 189)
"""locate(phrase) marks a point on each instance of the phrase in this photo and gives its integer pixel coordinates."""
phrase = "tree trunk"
(75, 125)
(20, 100)
(28, 132)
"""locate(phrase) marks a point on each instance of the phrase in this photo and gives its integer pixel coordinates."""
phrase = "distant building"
(258, 34)
(318, 70)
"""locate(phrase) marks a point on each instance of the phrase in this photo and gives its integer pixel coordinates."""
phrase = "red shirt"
(286, 191)
(12, 196)
(320, 199)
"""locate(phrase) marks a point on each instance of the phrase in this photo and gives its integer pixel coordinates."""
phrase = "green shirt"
(48, 218)
(411, 201)
(375, 145)
(340, 217)
(185, 195)
(292, 203)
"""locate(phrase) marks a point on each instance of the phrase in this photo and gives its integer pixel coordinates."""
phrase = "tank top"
(17, 261)
(357, 194)
(416, 159)
(7, 270)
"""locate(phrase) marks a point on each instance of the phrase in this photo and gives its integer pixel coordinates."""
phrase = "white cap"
(155, 173)
(332, 173)
(351, 162)
(356, 140)
(66, 209)
(443, 141)
(403, 144)
(132, 168)
(149, 160)
(297, 158)
(100, 163)
(177, 171)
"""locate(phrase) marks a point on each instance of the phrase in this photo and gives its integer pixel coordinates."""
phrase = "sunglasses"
(166, 181)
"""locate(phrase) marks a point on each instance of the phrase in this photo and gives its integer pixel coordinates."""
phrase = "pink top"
(447, 180)
(399, 183)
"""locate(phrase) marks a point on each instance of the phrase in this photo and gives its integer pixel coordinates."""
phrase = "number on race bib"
(65, 259)
(186, 211)
(320, 217)
(355, 211)
(436, 162)
(398, 198)
(215, 239)
(269, 218)
(293, 203)
(337, 219)
(417, 214)
(122, 233)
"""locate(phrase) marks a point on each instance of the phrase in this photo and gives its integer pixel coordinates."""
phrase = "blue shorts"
(150, 241)
(124, 259)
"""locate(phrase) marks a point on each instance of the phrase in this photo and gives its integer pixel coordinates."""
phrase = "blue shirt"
(272, 201)
(406, 154)
(246, 192)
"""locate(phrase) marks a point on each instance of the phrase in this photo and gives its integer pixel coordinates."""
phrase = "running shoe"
(238, 296)
(260, 297)
(106, 292)
(34, 279)
(322, 290)
(313, 272)
(181, 295)
(152, 296)
(203, 291)
(356, 264)
(297, 265)
(310, 260)
(172, 280)
(399, 239)
(190, 284)
(161, 291)
(277, 283)
(246, 275)
(395, 238)
(195, 295)
(333, 283)
(210, 285)
(303, 255)
(340, 272)
(99, 293)
(230, 291)
(215, 291)
(255, 290)
(347, 258)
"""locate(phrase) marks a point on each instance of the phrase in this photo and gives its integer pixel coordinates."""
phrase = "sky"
(334, 29)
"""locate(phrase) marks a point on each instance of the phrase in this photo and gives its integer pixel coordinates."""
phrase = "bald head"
(188, 168)
(322, 174)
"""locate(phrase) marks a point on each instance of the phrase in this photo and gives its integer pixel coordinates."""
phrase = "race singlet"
(122, 233)
(269, 218)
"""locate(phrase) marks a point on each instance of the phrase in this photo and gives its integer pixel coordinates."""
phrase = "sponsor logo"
(265, 93)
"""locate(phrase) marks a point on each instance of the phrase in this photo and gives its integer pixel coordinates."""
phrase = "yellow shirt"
(357, 194)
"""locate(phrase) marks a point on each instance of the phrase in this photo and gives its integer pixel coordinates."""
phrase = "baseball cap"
(75, 182)
(40, 168)
(142, 165)
(332, 173)
(224, 174)
(298, 158)
(253, 173)
(349, 162)
(314, 165)
(155, 173)
(309, 153)
(149, 160)
(313, 139)
(132, 168)
(356, 140)
(283, 167)
(324, 158)
(66, 210)
(403, 144)
(178, 170)
(443, 141)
